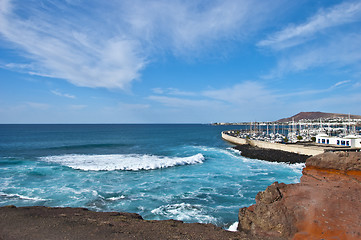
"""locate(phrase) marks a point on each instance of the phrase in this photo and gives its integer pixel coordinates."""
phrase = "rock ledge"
(326, 204)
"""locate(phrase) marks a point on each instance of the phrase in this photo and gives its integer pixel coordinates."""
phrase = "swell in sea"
(182, 172)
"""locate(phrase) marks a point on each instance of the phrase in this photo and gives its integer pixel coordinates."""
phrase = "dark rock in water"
(324, 205)
(270, 154)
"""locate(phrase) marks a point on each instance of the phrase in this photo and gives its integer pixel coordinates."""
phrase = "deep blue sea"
(184, 172)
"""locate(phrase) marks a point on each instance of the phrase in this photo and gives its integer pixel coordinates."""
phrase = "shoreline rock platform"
(326, 204)
(270, 155)
(82, 224)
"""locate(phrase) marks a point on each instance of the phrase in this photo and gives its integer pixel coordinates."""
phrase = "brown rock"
(269, 217)
(326, 204)
(78, 223)
(346, 161)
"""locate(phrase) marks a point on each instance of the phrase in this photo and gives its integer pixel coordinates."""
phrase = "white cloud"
(5, 6)
(77, 107)
(109, 44)
(338, 51)
(341, 83)
(158, 90)
(37, 105)
(356, 85)
(188, 26)
(132, 106)
(56, 92)
(296, 34)
(247, 93)
(243, 99)
(303, 93)
(64, 47)
(176, 102)
(172, 91)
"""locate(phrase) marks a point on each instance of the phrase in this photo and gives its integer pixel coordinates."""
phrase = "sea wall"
(299, 149)
(324, 205)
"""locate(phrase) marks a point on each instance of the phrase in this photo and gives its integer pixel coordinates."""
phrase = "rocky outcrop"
(80, 223)
(326, 204)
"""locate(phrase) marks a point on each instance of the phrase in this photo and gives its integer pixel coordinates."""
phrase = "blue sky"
(85, 61)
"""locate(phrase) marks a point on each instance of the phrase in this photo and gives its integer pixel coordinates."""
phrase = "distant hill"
(317, 115)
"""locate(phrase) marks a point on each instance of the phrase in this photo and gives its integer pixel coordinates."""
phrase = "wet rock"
(270, 155)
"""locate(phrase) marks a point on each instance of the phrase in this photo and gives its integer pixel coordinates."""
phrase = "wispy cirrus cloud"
(58, 93)
(337, 52)
(315, 92)
(77, 106)
(247, 93)
(178, 102)
(328, 38)
(108, 44)
(324, 19)
(173, 91)
(248, 97)
(59, 47)
(187, 27)
(37, 105)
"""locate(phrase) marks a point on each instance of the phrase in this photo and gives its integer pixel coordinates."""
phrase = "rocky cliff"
(326, 204)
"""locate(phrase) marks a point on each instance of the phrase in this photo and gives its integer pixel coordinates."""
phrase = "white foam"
(116, 198)
(296, 167)
(233, 227)
(238, 152)
(132, 162)
(22, 197)
(184, 212)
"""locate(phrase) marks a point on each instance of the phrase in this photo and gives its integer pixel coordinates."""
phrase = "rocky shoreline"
(324, 205)
(270, 155)
(82, 224)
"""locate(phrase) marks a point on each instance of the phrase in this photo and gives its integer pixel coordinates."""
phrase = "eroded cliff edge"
(326, 204)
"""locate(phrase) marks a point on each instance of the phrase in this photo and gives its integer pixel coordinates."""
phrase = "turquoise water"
(183, 172)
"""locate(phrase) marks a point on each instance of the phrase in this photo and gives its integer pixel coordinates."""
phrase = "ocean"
(160, 171)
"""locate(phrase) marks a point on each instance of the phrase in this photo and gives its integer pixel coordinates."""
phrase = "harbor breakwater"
(293, 148)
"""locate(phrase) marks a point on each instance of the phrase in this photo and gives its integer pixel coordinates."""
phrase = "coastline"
(324, 205)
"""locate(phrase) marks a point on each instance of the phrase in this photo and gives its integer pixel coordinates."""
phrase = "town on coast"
(306, 137)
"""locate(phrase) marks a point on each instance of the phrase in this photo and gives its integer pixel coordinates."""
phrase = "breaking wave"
(185, 212)
(21, 197)
(127, 162)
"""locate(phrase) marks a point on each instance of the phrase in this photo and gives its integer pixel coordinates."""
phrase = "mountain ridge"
(317, 115)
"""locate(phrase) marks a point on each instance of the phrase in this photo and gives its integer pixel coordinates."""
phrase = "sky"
(190, 61)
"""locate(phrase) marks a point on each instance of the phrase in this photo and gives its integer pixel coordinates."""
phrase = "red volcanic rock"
(326, 204)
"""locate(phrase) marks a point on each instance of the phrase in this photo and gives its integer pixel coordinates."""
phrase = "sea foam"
(129, 162)
(233, 227)
(21, 197)
(184, 212)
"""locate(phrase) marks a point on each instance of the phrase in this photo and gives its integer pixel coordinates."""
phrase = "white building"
(350, 140)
